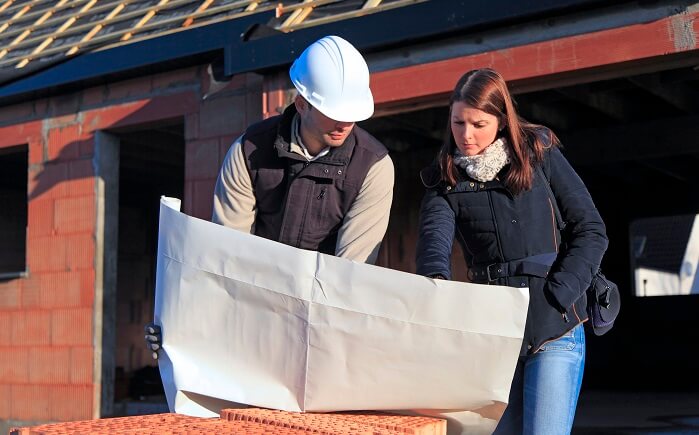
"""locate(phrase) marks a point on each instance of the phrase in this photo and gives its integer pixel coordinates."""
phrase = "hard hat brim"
(354, 110)
(350, 110)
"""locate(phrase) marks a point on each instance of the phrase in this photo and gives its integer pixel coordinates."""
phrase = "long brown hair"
(485, 89)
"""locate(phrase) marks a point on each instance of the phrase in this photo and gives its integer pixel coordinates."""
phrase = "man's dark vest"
(301, 203)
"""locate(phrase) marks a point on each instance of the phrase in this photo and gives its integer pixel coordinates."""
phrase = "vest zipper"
(322, 193)
(299, 234)
(286, 197)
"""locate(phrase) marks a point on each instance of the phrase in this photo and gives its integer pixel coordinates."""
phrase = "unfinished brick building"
(106, 106)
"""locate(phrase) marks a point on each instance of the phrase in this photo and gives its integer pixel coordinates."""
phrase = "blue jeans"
(545, 388)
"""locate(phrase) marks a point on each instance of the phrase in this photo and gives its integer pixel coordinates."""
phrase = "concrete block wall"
(49, 322)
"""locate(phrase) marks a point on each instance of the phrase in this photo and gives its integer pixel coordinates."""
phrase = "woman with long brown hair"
(523, 218)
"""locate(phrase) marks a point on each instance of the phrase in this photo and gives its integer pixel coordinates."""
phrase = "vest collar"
(338, 156)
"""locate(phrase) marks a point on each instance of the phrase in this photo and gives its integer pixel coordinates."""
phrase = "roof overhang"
(241, 52)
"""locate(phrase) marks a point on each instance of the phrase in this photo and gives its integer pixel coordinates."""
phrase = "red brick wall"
(46, 343)
(47, 323)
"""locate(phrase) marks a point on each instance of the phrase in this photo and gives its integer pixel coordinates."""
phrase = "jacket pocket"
(327, 205)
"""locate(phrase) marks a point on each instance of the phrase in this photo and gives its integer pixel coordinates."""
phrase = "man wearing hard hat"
(311, 178)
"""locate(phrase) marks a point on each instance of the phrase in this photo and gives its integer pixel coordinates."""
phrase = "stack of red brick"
(251, 421)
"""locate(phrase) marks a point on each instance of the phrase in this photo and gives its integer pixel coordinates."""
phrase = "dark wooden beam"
(674, 137)
(540, 113)
(681, 169)
(609, 104)
(679, 95)
(420, 126)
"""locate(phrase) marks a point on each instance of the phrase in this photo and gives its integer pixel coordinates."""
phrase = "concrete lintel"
(583, 56)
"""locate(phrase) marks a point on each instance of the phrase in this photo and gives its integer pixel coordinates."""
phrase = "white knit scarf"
(486, 165)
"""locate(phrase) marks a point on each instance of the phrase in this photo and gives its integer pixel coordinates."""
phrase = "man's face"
(317, 130)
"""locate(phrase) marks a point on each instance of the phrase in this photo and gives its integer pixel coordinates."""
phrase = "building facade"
(88, 144)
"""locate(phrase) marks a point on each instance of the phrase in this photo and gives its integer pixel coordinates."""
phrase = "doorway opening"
(151, 164)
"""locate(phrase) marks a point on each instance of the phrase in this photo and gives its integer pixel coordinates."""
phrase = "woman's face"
(473, 129)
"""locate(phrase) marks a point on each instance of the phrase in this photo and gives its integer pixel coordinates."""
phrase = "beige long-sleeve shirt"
(362, 230)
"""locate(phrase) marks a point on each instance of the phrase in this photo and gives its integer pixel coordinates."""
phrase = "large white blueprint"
(253, 321)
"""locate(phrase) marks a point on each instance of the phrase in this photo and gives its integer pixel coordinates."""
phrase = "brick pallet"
(251, 421)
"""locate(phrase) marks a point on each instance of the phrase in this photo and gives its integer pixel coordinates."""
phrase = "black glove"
(154, 338)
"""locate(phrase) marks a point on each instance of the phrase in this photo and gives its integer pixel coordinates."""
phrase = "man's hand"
(154, 339)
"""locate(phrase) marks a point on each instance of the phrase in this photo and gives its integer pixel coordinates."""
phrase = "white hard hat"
(333, 76)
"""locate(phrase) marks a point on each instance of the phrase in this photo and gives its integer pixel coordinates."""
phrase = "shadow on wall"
(69, 150)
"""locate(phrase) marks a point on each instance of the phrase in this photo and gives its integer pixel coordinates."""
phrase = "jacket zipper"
(553, 225)
(575, 311)
(495, 223)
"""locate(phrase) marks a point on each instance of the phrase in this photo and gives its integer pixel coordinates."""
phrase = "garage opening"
(633, 141)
